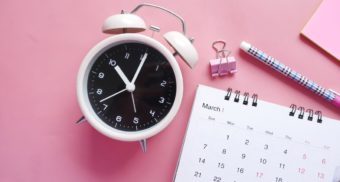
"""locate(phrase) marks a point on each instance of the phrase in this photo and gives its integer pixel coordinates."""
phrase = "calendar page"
(228, 139)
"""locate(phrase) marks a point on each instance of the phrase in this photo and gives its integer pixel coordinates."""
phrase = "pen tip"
(245, 46)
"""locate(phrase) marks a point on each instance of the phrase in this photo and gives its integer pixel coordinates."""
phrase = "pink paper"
(324, 27)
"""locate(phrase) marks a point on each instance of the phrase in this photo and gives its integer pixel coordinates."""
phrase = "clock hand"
(129, 86)
(139, 68)
(122, 75)
(113, 95)
(133, 102)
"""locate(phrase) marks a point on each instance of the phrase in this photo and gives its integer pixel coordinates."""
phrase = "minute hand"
(139, 68)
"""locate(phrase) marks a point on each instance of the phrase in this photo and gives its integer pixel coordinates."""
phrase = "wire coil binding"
(301, 113)
(236, 97)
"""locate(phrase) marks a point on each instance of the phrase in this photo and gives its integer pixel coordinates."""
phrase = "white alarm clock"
(129, 85)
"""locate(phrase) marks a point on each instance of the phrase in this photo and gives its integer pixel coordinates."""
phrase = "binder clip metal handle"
(224, 63)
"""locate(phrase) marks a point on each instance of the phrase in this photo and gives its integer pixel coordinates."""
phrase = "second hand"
(133, 102)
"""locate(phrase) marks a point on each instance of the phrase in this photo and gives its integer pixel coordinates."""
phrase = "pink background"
(42, 44)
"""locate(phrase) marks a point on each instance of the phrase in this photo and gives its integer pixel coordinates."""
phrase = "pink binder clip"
(223, 64)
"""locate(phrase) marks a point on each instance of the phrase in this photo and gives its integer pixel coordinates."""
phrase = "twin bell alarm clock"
(130, 86)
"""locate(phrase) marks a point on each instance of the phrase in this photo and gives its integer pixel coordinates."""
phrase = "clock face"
(131, 86)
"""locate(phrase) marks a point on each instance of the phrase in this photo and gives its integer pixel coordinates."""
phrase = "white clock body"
(83, 95)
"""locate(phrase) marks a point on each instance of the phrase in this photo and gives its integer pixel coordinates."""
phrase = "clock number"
(101, 75)
(118, 118)
(127, 55)
(152, 112)
(163, 83)
(161, 100)
(112, 62)
(135, 120)
(105, 106)
(99, 91)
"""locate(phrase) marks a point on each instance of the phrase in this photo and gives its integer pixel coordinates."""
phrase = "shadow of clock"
(106, 157)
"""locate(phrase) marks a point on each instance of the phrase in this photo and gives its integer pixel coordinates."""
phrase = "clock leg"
(82, 119)
(143, 144)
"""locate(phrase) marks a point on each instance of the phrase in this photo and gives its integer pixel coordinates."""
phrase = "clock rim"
(82, 92)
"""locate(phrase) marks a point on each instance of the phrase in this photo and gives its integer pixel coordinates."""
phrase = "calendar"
(236, 137)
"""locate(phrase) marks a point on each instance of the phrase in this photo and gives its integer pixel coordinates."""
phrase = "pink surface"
(324, 27)
(43, 43)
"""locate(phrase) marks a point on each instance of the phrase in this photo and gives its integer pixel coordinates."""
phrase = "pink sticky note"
(324, 27)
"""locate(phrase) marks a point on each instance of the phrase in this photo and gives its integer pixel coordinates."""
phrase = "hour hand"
(129, 86)
(122, 75)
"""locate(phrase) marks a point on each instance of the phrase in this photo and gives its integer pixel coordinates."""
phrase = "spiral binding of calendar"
(236, 97)
(302, 112)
